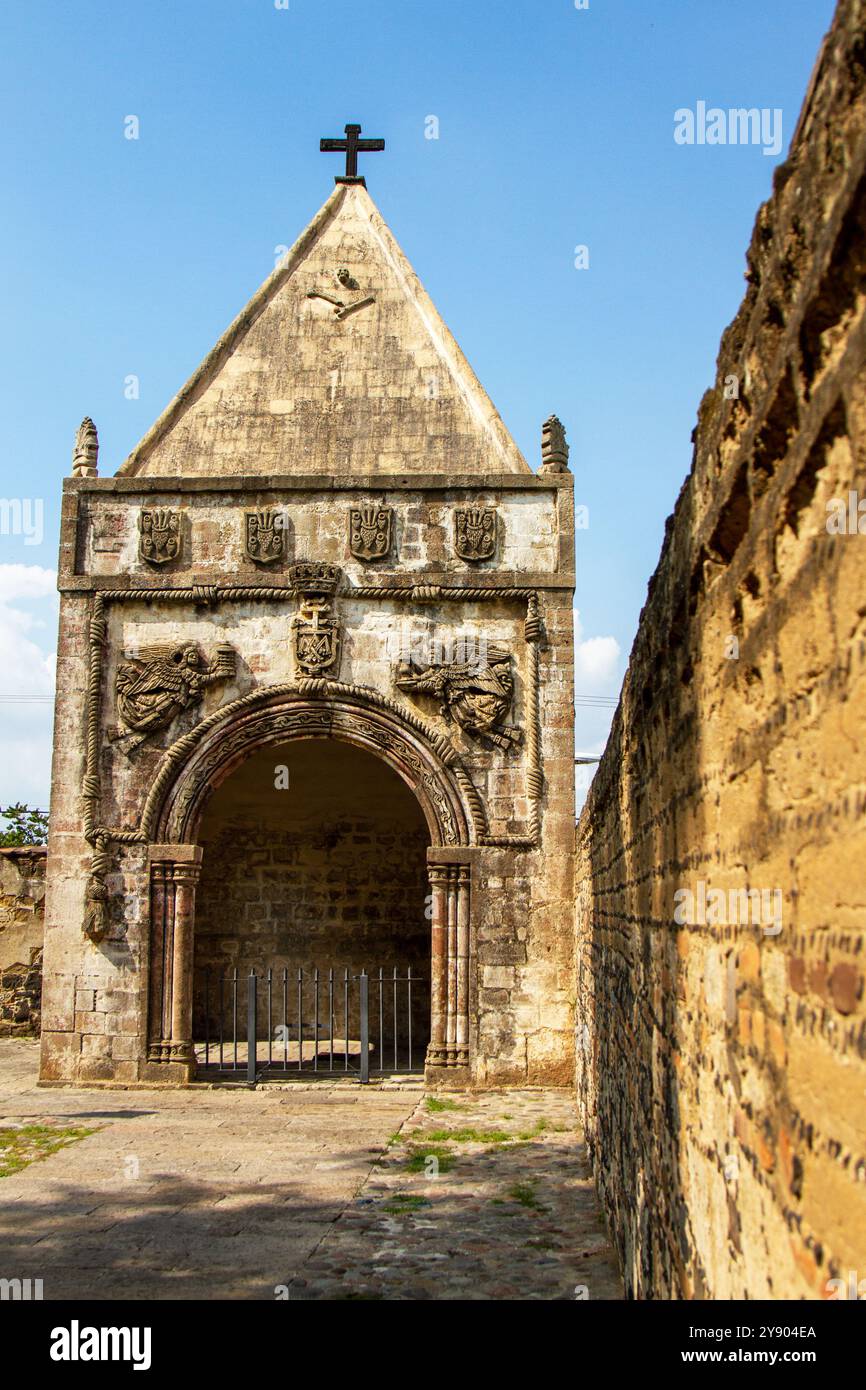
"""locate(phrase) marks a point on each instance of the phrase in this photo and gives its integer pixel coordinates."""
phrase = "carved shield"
(316, 646)
(159, 535)
(475, 533)
(265, 536)
(370, 532)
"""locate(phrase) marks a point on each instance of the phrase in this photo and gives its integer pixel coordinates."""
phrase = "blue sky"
(129, 257)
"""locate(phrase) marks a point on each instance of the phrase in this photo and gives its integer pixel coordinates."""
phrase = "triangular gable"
(339, 365)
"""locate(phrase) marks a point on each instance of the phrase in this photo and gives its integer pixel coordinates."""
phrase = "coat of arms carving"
(317, 636)
(160, 539)
(370, 532)
(265, 536)
(475, 533)
(476, 694)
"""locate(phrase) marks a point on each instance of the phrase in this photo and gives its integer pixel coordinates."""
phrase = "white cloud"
(28, 624)
(596, 662)
(26, 581)
(597, 675)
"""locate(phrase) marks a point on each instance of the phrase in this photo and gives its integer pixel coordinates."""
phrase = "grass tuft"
(30, 1143)
(525, 1194)
(402, 1203)
(435, 1105)
(419, 1153)
(467, 1136)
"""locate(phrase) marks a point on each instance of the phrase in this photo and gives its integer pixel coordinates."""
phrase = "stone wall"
(328, 870)
(722, 1039)
(22, 892)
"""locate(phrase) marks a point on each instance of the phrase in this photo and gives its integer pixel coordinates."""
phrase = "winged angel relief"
(154, 688)
(477, 695)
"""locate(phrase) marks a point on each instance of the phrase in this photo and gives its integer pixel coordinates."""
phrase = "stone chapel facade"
(326, 559)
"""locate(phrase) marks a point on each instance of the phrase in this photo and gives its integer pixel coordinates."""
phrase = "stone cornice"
(244, 484)
(237, 585)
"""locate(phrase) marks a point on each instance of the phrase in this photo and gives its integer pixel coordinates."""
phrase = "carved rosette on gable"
(160, 537)
(475, 532)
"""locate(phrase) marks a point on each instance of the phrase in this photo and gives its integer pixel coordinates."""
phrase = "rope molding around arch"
(307, 691)
(100, 837)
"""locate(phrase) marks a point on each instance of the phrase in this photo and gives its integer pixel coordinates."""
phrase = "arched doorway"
(314, 869)
(276, 718)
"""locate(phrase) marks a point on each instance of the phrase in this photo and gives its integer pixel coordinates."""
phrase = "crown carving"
(311, 577)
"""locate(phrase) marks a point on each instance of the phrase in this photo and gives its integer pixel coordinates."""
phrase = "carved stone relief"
(345, 283)
(154, 688)
(265, 536)
(370, 529)
(160, 538)
(315, 627)
(317, 636)
(86, 450)
(476, 694)
(475, 532)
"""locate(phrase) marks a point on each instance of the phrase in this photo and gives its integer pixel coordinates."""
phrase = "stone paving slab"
(231, 1194)
(517, 1219)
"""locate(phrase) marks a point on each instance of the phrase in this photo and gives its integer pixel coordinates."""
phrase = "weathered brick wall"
(722, 1066)
(22, 893)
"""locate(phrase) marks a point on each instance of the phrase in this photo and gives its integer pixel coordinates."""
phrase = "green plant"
(29, 1143)
(26, 825)
(434, 1105)
(524, 1193)
(419, 1154)
(467, 1136)
(404, 1202)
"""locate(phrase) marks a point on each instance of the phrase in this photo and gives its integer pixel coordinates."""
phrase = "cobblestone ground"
(308, 1192)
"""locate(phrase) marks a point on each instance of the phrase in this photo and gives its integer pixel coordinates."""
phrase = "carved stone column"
(436, 1053)
(174, 872)
(450, 974)
(461, 1055)
(185, 880)
(451, 1028)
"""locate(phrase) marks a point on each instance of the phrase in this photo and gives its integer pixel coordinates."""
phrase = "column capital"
(186, 872)
(451, 854)
(174, 854)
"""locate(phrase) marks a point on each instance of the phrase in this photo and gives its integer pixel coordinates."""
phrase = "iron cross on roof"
(352, 146)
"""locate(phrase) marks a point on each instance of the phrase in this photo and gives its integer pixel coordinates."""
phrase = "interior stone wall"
(329, 872)
(722, 1052)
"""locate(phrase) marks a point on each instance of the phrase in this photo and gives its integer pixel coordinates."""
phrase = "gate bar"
(252, 1027)
(364, 982)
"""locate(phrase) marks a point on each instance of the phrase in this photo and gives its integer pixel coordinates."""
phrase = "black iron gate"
(284, 1022)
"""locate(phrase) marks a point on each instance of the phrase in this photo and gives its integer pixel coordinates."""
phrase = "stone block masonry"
(22, 894)
(721, 1038)
(327, 541)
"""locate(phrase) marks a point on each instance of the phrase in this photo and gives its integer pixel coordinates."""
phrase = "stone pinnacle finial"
(554, 449)
(86, 450)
